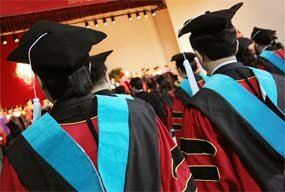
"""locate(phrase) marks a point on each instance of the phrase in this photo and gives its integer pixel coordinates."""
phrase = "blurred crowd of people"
(15, 120)
(153, 89)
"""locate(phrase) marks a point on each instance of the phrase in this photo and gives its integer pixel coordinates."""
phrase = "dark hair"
(246, 57)
(75, 85)
(173, 76)
(57, 88)
(98, 71)
(164, 83)
(216, 46)
(179, 65)
(136, 83)
(151, 83)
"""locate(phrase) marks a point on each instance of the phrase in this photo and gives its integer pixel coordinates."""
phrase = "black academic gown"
(83, 109)
(263, 162)
(268, 66)
(156, 101)
(146, 162)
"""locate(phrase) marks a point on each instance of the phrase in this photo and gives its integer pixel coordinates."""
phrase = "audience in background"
(15, 120)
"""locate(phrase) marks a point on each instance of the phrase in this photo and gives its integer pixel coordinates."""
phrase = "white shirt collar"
(222, 64)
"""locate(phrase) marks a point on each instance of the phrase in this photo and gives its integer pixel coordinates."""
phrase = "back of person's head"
(98, 67)
(172, 77)
(136, 83)
(179, 59)
(245, 55)
(63, 70)
(218, 46)
(151, 84)
(213, 34)
(165, 85)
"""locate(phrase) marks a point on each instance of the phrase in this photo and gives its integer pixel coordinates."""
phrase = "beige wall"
(145, 42)
(262, 13)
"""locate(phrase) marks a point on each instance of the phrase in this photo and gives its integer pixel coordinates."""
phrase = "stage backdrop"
(261, 13)
(140, 43)
(14, 90)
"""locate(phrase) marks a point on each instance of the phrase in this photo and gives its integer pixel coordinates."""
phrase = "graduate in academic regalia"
(152, 97)
(271, 58)
(137, 88)
(165, 88)
(183, 93)
(271, 53)
(246, 52)
(234, 133)
(98, 74)
(89, 141)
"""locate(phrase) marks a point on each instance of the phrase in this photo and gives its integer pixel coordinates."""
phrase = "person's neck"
(261, 48)
(212, 65)
(100, 87)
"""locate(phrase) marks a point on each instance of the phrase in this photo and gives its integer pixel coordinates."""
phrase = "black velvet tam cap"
(58, 50)
(210, 22)
(263, 36)
(180, 57)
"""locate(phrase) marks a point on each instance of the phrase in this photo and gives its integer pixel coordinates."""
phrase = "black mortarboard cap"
(263, 36)
(98, 67)
(100, 58)
(61, 52)
(210, 22)
(180, 57)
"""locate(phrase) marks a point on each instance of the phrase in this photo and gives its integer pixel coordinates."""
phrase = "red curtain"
(48, 10)
(21, 7)
(13, 91)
